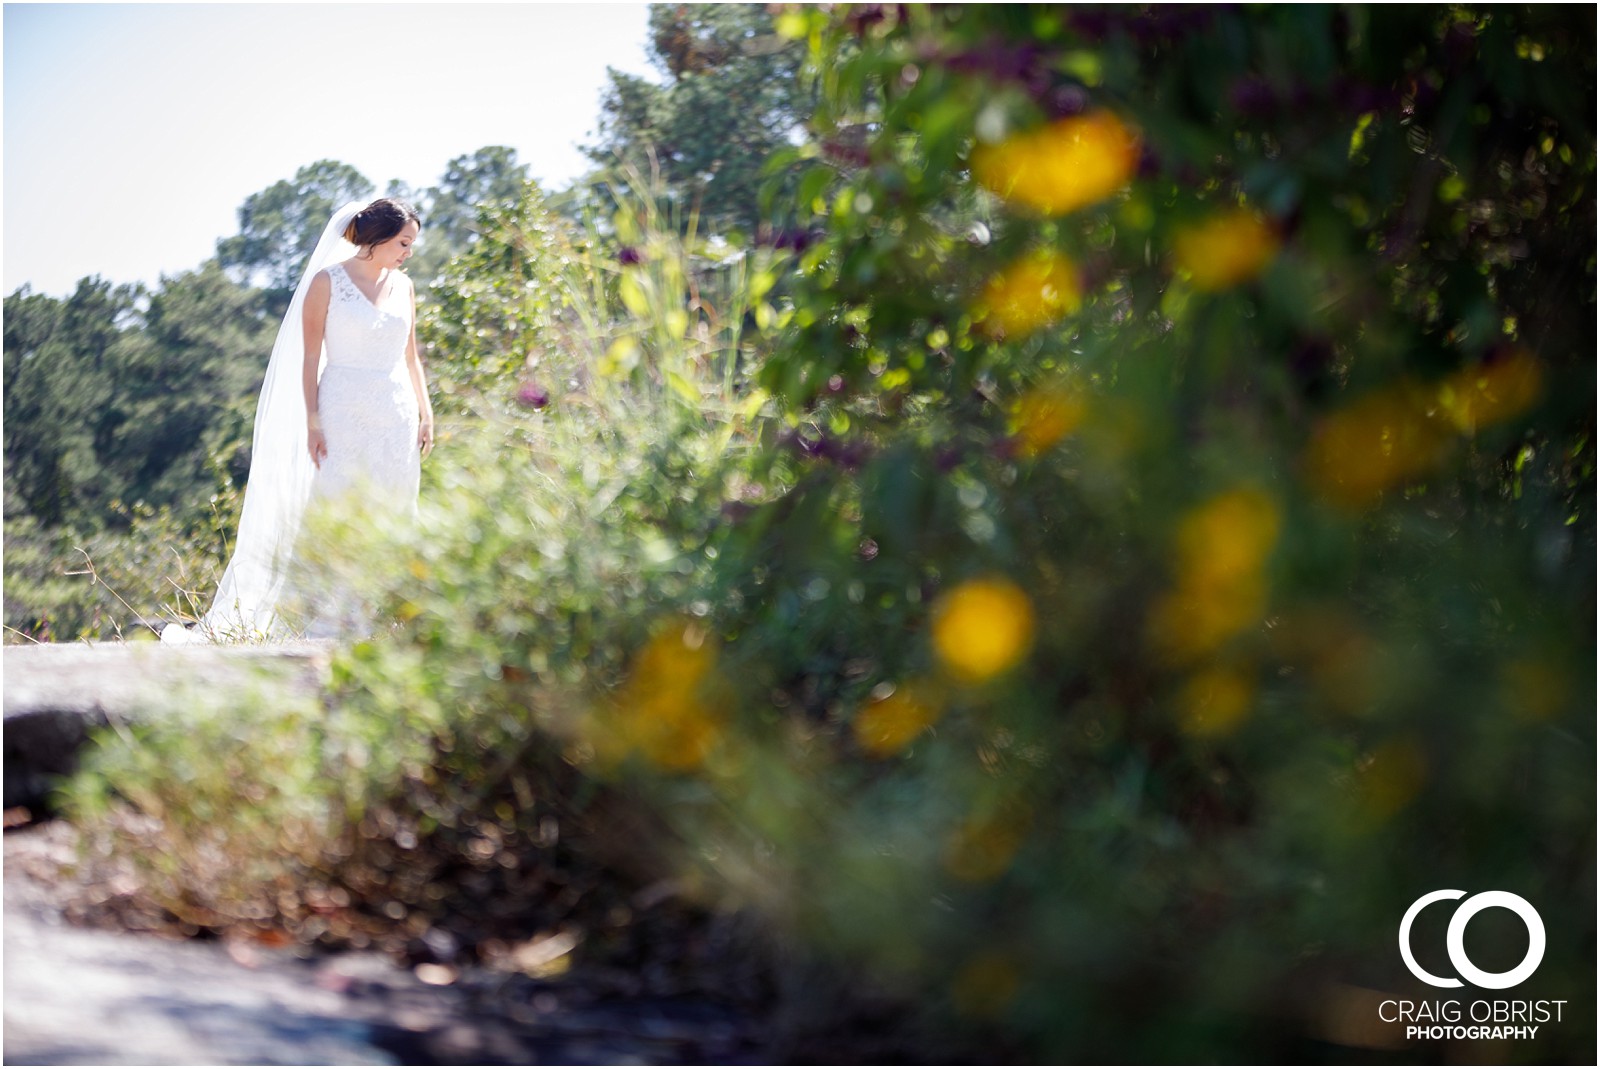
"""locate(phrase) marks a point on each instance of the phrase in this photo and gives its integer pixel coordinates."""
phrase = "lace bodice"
(360, 335)
(366, 398)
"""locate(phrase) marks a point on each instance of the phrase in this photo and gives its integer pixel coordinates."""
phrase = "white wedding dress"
(370, 414)
(366, 400)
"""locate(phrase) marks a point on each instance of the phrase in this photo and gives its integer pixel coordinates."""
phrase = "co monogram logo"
(1458, 928)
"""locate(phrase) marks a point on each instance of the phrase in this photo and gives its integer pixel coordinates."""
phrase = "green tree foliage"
(508, 309)
(117, 395)
(732, 97)
(61, 363)
(279, 226)
(486, 180)
(192, 369)
(128, 417)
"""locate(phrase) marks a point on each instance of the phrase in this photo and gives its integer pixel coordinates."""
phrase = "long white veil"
(281, 474)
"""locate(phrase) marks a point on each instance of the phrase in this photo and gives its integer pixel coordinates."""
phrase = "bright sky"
(134, 132)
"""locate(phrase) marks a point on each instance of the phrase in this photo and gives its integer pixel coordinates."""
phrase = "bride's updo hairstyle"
(380, 221)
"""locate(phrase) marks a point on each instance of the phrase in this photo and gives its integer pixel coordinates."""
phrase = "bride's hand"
(425, 437)
(317, 446)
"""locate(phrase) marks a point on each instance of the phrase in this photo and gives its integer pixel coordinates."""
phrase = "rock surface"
(54, 693)
(92, 996)
(80, 997)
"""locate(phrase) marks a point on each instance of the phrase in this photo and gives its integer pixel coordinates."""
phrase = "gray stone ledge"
(55, 693)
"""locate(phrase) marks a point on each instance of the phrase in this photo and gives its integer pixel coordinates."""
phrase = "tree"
(732, 97)
(488, 179)
(505, 303)
(279, 226)
(187, 383)
(60, 394)
(118, 394)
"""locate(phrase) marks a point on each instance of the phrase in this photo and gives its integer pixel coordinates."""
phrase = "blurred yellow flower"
(677, 657)
(1059, 168)
(1033, 292)
(1226, 539)
(1390, 777)
(1221, 550)
(1044, 416)
(1534, 688)
(680, 736)
(1224, 250)
(1188, 623)
(981, 849)
(986, 985)
(983, 628)
(1395, 435)
(1215, 701)
(1345, 665)
(1491, 393)
(664, 710)
(1378, 442)
(886, 727)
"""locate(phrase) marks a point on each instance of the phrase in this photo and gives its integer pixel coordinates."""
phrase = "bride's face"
(397, 250)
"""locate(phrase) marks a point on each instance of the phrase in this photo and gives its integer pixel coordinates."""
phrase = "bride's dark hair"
(380, 221)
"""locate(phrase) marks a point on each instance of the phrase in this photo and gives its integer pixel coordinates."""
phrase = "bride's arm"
(314, 319)
(419, 380)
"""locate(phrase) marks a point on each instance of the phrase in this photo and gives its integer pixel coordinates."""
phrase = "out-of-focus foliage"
(510, 310)
(732, 97)
(1165, 548)
(541, 305)
(1194, 418)
(64, 584)
(489, 179)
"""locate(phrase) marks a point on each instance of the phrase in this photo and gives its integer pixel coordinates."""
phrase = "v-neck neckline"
(388, 284)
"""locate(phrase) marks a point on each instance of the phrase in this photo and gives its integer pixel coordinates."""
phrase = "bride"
(344, 410)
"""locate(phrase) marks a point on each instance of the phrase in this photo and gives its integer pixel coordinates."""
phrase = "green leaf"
(633, 295)
(684, 388)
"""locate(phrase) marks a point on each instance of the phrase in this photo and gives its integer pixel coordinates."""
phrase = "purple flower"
(1253, 96)
(629, 256)
(1067, 99)
(863, 17)
(532, 395)
(798, 240)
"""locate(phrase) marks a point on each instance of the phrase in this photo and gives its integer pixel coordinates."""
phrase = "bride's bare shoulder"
(320, 289)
